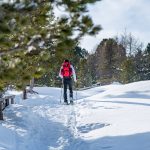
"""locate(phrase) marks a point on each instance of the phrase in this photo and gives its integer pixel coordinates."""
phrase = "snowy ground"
(113, 117)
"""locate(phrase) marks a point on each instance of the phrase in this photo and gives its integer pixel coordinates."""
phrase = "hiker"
(66, 72)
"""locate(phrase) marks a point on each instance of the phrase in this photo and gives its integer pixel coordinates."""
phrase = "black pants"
(67, 82)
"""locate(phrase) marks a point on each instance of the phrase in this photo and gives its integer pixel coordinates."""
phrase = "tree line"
(120, 59)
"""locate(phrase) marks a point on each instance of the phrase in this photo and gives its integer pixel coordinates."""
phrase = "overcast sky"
(117, 15)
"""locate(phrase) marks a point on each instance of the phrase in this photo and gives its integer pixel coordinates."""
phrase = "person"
(66, 72)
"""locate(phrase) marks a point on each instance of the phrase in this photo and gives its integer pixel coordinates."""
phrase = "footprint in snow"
(89, 127)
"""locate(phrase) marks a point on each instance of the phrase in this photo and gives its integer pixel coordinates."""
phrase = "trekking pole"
(76, 92)
(76, 96)
(61, 90)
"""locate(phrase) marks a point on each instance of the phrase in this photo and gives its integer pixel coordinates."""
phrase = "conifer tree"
(148, 48)
(128, 73)
(108, 58)
(146, 63)
(30, 32)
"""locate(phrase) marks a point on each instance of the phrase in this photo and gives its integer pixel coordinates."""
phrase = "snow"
(112, 117)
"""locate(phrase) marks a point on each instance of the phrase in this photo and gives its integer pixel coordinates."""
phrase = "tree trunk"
(24, 93)
(1, 94)
(31, 84)
(1, 109)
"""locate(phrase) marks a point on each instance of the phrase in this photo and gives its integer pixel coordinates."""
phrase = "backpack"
(66, 70)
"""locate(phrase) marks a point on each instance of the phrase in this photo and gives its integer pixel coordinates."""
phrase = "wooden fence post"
(12, 100)
(7, 102)
(1, 110)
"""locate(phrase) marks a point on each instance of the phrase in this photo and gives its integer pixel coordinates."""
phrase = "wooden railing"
(4, 102)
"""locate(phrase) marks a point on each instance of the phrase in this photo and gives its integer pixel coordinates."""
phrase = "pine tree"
(92, 67)
(128, 73)
(108, 58)
(29, 30)
(146, 63)
(148, 48)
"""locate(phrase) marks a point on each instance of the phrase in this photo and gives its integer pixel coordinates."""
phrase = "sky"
(117, 16)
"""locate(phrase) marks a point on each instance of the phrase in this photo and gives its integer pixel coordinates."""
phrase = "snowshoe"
(66, 103)
(71, 102)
